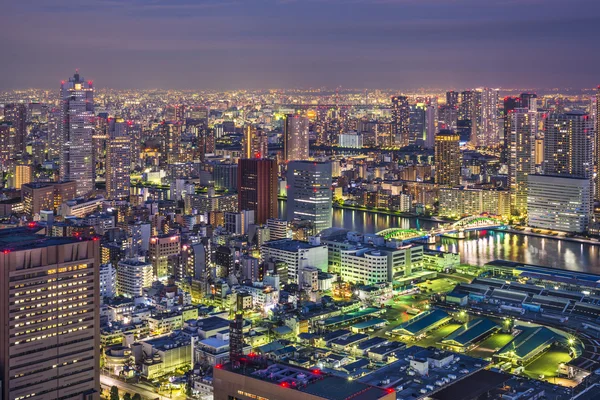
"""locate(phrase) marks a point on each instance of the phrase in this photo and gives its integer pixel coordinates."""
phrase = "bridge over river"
(456, 229)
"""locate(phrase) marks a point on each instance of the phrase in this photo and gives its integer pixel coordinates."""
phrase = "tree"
(136, 397)
(114, 393)
(127, 396)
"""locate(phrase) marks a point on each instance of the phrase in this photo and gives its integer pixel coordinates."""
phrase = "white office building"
(108, 280)
(133, 276)
(559, 203)
(309, 194)
(296, 253)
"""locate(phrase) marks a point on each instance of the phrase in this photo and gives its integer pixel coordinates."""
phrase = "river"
(481, 247)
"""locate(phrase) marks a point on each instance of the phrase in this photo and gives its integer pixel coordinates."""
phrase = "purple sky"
(226, 44)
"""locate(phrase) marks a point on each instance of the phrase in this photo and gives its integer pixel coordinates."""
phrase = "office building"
(257, 187)
(164, 253)
(255, 144)
(16, 115)
(400, 121)
(23, 174)
(225, 176)
(417, 125)
(351, 140)
(522, 131)
(296, 254)
(37, 197)
(309, 194)
(118, 160)
(568, 144)
(295, 138)
(237, 223)
(448, 159)
(278, 229)
(452, 99)
(50, 321)
(77, 127)
(108, 280)
(133, 275)
(561, 203)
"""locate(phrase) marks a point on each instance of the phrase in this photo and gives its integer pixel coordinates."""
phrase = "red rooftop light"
(284, 384)
(390, 390)
(219, 366)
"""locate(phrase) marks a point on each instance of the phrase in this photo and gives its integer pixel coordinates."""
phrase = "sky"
(261, 44)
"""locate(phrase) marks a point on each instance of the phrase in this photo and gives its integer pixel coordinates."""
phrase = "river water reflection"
(481, 247)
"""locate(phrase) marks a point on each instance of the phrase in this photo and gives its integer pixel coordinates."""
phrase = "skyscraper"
(257, 188)
(448, 160)
(417, 125)
(522, 130)
(49, 323)
(118, 160)
(309, 193)
(568, 144)
(452, 98)
(255, 144)
(76, 127)
(400, 121)
(597, 143)
(484, 117)
(465, 108)
(295, 138)
(16, 114)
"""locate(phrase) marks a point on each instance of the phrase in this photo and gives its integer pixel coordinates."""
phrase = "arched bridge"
(472, 223)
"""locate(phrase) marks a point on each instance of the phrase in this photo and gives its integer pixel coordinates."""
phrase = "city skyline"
(224, 45)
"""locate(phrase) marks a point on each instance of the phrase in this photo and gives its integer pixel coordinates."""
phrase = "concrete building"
(76, 127)
(309, 193)
(559, 203)
(49, 352)
(278, 229)
(118, 160)
(523, 125)
(460, 201)
(296, 254)
(400, 121)
(162, 248)
(448, 159)
(295, 138)
(133, 276)
(108, 280)
(237, 223)
(257, 188)
(351, 140)
(37, 197)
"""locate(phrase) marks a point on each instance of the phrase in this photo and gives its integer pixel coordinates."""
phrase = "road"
(132, 388)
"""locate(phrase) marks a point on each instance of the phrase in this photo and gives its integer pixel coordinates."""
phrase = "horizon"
(256, 44)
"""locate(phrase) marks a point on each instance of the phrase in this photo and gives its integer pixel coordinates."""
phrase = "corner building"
(49, 299)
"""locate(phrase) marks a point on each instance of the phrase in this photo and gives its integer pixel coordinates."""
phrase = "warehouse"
(422, 323)
(469, 334)
(529, 343)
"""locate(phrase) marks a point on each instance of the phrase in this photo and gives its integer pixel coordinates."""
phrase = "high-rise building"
(568, 144)
(417, 124)
(465, 108)
(597, 143)
(452, 99)
(118, 160)
(528, 100)
(523, 131)
(309, 194)
(133, 276)
(16, 114)
(77, 127)
(561, 203)
(23, 175)
(295, 138)
(255, 143)
(484, 113)
(257, 187)
(448, 159)
(171, 133)
(509, 104)
(164, 250)
(7, 131)
(400, 121)
(50, 324)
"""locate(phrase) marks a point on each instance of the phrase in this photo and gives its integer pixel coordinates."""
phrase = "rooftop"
(290, 245)
(470, 331)
(422, 322)
(25, 238)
